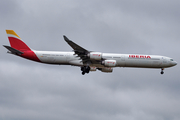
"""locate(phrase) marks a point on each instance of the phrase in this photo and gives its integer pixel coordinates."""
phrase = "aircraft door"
(68, 57)
(122, 58)
(122, 61)
(164, 60)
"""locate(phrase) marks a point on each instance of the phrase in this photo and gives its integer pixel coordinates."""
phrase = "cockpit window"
(171, 59)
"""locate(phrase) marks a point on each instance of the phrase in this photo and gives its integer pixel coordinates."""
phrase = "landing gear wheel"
(162, 72)
(83, 73)
(85, 69)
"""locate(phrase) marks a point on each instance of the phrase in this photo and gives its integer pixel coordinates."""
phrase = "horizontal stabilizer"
(13, 51)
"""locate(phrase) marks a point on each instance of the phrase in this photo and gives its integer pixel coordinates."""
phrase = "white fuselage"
(85, 59)
(123, 60)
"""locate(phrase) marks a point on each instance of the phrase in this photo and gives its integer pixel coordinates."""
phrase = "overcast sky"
(35, 91)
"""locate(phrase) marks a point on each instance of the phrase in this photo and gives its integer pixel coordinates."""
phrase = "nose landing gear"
(162, 72)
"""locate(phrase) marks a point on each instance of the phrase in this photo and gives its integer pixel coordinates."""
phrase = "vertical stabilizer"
(15, 41)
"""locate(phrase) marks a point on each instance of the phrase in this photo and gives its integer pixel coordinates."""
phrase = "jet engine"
(109, 63)
(107, 69)
(95, 55)
(92, 68)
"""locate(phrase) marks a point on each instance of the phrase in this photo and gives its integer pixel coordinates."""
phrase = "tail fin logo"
(16, 42)
(11, 33)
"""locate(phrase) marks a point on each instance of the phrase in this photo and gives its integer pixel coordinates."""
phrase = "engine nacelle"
(109, 63)
(107, 69)
(92, 68)
(95, 55)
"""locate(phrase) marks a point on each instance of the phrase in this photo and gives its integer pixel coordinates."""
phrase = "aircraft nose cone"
(174, 63)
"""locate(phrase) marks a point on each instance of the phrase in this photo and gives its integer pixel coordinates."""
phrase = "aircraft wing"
(80, 51)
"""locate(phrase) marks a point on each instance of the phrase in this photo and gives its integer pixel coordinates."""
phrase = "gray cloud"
(32, 90)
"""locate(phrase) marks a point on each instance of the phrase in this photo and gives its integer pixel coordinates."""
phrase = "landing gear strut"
(85, 69)
(162, 72)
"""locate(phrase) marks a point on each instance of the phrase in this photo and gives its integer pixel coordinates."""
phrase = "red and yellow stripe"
(11, 32)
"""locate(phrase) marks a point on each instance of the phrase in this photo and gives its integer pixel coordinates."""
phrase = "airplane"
(85, 59)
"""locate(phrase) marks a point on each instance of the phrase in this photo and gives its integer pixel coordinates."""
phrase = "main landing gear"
(162, 72)
(85, 69)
